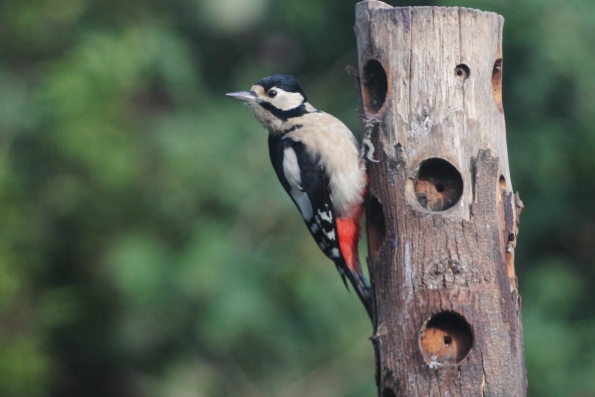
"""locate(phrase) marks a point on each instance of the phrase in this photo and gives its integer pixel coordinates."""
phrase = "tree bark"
(441, 216)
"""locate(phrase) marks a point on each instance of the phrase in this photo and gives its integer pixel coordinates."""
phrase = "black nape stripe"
(285, 114)
(295, 127)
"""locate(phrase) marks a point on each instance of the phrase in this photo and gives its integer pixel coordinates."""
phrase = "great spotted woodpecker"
(317, 160)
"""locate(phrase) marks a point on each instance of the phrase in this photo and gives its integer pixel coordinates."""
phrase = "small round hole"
(462, 71)
(446, 338)
(438, 185)
(375, 86)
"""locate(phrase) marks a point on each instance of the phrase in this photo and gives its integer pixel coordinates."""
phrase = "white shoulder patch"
(291, 170)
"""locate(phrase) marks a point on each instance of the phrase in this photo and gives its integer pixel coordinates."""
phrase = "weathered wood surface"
(442, 219)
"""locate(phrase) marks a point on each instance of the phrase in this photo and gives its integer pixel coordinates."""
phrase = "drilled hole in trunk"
(388, 393)
(375, 86)
(438, 185)
(376, 226)
(462, 71)
(446, 338)
(497, 83)
(502, 183)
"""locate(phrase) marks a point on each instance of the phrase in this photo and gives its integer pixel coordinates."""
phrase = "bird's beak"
(244, 96)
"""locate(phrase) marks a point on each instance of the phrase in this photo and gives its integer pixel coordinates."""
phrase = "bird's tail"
(349, 232)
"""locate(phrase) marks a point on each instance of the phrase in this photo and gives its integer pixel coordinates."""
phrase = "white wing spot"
(322, 246)
(330, 235)
(335, 253)
(326, 215)
(314, 227)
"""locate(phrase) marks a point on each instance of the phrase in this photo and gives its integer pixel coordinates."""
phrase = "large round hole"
(439, 185)
(446, 338)
(375, 86)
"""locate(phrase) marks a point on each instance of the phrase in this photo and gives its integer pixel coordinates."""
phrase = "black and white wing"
(307, 183)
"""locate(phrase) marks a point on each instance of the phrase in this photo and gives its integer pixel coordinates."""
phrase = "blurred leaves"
(146, 248)
(231, 16)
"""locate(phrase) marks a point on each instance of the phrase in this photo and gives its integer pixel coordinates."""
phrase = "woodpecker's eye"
(272, 93)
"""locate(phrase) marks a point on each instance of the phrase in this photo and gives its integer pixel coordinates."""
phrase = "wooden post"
(442, 219)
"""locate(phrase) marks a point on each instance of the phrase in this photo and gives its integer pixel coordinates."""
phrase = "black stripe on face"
(285, 114)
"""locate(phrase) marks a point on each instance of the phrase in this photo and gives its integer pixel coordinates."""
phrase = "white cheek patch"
(291, 170)
(287, 100)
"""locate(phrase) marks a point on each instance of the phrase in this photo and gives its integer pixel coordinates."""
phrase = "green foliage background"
(146, 248)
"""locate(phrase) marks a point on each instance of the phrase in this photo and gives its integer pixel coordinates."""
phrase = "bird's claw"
(367, 145)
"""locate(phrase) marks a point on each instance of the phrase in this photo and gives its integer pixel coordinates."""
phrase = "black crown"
(283, 81)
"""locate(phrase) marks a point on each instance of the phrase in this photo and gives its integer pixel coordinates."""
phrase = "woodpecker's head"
(274, 100)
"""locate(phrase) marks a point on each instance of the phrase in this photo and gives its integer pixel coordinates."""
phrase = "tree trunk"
(442, 218)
